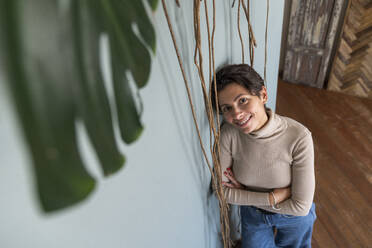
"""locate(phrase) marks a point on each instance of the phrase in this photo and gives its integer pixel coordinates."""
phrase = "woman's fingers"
(233, 182)
(227, 175)
(232, 177)
(230, 185)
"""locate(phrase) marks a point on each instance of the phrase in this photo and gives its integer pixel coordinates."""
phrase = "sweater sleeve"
(303, 180)
(237, 196)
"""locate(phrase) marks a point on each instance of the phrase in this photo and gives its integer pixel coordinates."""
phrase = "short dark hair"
(241, 74)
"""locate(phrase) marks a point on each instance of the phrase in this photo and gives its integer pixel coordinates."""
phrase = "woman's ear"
(263, 95)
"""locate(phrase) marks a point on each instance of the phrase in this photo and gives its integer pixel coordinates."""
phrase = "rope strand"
(214, 125)
(267, 24)
(240, 34)
(186, 82)
(252, 39)
(224, 219)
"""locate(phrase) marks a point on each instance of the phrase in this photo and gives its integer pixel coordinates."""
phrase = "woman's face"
(242, 109)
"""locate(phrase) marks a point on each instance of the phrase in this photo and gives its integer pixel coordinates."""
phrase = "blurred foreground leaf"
(50, 53)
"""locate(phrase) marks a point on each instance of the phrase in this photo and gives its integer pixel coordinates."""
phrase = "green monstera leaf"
(116, 18)
(50, 51)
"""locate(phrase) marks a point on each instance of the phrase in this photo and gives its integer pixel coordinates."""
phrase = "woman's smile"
(244, 122)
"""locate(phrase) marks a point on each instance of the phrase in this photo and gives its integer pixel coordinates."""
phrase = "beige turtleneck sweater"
(280, 154)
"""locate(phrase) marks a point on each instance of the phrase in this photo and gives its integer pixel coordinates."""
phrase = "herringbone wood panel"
(352, 67)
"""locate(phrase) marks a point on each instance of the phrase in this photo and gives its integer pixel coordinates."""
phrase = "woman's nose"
(237, 114)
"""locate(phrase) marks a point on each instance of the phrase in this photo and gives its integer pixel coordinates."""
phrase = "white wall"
(161, 198)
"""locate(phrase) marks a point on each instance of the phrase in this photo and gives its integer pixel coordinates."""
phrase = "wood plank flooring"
(341, 126)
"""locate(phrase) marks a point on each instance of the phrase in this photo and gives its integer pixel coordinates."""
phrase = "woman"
(267, 162)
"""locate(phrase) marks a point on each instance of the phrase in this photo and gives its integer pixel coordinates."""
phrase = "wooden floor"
(341, 126)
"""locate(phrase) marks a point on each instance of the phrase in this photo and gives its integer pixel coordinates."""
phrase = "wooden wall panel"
(352, 68)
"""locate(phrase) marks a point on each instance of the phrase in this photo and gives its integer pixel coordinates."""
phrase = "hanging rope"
(224, 207)
(214, 126)
(232, 6)
(186, 82)
(209, 57)
(240, 34)
(266, 28)
(224, 220)
(216, 181)
(252, 39)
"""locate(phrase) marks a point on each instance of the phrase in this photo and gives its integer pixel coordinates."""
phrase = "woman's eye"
(243, 100)
(225, 109)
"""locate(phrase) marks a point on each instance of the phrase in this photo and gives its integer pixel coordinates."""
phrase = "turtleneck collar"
(273, 126)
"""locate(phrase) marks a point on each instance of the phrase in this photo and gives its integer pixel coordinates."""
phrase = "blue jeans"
(292, 231)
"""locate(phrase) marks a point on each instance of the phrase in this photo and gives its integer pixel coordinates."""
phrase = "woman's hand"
(281, 195)
(234, 184)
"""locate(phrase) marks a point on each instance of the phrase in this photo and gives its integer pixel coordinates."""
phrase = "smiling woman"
(267, 162)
